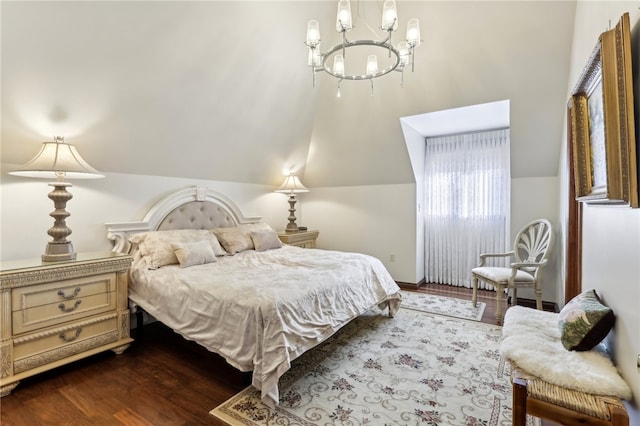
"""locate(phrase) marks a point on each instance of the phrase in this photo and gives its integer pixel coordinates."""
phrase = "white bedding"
(261, 310)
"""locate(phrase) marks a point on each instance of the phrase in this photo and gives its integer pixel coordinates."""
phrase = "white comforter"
(261, 310)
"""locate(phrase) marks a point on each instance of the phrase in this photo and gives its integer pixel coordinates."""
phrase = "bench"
(534, 396)
(547, 397)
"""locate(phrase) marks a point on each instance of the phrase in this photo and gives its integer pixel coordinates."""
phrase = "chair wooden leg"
(499, 304)
(539, 299)
(474, 298)
(514, 297)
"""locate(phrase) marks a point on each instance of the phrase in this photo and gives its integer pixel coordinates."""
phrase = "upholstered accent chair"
(530, 253)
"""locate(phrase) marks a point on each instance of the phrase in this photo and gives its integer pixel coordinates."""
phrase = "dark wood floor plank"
(127, 417)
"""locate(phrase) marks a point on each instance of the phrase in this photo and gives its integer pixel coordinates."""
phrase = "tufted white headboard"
(197, 215)
(189, 208)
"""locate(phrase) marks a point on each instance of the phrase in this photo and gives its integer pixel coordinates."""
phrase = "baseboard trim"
(531, 303)
(411, 286)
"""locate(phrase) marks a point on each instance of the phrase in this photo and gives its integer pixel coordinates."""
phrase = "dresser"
(54, 313)
(304, 239)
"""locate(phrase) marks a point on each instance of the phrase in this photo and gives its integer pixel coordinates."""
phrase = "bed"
(226, 282)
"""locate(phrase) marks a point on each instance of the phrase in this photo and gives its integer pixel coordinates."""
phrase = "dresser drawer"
(32, 350)
(50, 304)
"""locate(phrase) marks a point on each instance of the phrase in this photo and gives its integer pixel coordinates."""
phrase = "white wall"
(378, 220)
(417, 150)
(611, 235)
(611, 265)
(25, 208)
(534, 198)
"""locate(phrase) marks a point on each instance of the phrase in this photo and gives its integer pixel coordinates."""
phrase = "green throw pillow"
(584, 322)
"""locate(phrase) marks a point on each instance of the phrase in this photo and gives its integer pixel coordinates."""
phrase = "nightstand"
(304, 239)
(54, 313)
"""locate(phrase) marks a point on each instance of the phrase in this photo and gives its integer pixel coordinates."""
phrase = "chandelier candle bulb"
(315, 58)
(343, 19)
(372, 65)
(413, 32)
(403, 49)
(389, 16)
(313, 33)
(338, 65)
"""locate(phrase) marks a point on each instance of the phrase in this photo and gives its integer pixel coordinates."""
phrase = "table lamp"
(58, 160)
(292, 186)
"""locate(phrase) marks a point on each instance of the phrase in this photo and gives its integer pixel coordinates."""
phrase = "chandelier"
(399, 57)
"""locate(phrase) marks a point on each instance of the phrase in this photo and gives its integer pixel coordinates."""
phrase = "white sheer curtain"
(467, 203)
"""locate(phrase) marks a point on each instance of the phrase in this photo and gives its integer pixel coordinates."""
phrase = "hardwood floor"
(488, 297)
(160, 380)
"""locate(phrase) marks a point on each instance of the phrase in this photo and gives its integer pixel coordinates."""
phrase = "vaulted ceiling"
(220, 90)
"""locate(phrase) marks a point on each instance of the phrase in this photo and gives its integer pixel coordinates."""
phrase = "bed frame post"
(139, 324)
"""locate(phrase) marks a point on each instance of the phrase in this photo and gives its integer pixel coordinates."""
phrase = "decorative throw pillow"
(156, 246)
(218, 250)
(190, 254)
(236, 239)
(584, 322)
(265, 240)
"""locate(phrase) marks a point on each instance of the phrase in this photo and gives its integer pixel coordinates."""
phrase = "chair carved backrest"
(533, 244)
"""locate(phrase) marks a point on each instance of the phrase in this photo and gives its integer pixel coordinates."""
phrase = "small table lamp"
(58, 160)
(292, 186)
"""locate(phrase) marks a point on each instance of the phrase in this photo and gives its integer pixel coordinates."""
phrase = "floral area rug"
(414, 369)
(442, 305)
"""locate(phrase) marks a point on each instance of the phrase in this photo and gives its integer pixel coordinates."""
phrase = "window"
(467, 202)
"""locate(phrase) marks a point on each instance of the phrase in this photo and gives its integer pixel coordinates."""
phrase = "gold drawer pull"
(63, 308)
(65, 297)
(72, 338)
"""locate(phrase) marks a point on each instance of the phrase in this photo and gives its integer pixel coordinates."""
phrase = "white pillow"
(236, 239)
(190, 254)
(156, 246)
(265, 240)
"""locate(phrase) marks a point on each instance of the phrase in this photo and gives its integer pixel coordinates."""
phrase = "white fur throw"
(531, 339)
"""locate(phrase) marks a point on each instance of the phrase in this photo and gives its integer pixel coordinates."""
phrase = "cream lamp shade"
(58, 160)
(292, 186)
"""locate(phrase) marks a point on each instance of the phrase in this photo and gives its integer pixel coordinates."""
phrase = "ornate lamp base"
(60, 248)
(292, 226)
(55, 252)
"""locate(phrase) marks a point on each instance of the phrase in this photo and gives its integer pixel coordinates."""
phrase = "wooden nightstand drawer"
(304, 239)
(60, 342)
(29, 297)
(37, 317)
(31, 311)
